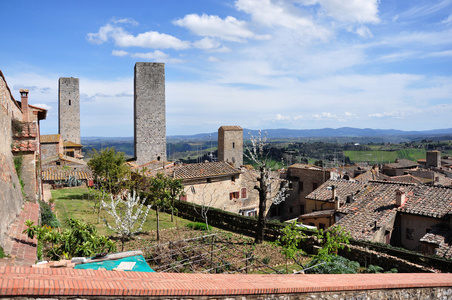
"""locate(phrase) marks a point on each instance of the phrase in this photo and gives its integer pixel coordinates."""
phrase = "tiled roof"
(63, 157)
(408, 178)
(58, 174)
(401, 164)
(372, 175)
(317, 214)
(343, 189)
(71, 144)
(204, 170)
(440, 235)
(428, 201)
(50, 138)
(305, 166)
(375, 203)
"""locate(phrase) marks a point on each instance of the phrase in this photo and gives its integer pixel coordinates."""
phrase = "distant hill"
(316, 133)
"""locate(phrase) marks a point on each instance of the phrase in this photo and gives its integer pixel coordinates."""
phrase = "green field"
(78, 203)
(384, 157)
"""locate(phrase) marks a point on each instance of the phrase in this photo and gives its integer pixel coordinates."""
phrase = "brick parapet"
(31, 282)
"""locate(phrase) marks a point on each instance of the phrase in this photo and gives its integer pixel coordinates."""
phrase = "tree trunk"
(262, 205)
(158, 223)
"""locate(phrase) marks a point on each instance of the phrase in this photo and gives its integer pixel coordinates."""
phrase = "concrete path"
(20, 248)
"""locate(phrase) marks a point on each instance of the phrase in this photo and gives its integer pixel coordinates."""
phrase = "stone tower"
(433, 159)
(69, 109)
(149, 112)
(230, 145)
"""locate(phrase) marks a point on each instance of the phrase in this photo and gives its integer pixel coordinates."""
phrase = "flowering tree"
(256, 154)
(129, 215)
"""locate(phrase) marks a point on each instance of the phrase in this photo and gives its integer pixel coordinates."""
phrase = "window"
(243, 193)
(290, 210)
(315, 185)
(301, 209)
(209, 180)
(234, 195)
(409, 234)
(300, 187)
(233, 145)
(69, 102)
(232, 178)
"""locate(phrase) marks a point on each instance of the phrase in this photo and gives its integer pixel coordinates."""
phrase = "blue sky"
(260, 64)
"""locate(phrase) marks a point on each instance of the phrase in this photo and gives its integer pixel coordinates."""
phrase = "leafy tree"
(289, 241)
(109, 169)
(265, 179)
(332, 240)
(81, 239)
(129, 215)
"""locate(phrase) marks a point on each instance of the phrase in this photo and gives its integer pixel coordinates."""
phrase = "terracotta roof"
(372, 175)
(204, 170)
(409, 178)
(71, 144)
(306, 166)
(431, 201)
(401, 164)
(59, 174)
(441, 236)
(343, 189)
(317, 214)
(50, 138)
(237, 128)
(63, 158)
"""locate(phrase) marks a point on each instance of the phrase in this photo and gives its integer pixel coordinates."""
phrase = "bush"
(48, 218)
(2, 253)
(198, 226)
(333, 265)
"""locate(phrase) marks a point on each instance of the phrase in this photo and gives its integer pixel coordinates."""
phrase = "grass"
(79, 203)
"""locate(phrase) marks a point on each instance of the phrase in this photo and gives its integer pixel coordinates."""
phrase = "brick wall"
(31, 283)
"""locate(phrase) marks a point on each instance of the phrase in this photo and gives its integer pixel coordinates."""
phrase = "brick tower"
(149, 112)
(230, 145)
(69, 109)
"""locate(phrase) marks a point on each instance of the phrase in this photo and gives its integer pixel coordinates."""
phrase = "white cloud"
(126, 21)
(351, 11)
(119, 53)
(391, 114)
(364, 32)
(149, 39)
(280, 117)
(157, 56)
(448, 20)
(283, 14)
(207, 44)
(229, 29)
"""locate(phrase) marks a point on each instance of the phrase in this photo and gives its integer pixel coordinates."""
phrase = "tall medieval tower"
(149, 112)
(230, 145)
(69, 109)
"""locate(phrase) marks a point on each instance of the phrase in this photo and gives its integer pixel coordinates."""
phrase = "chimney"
(333, 191)
(400, 198)
(337, 203)
(24, 105)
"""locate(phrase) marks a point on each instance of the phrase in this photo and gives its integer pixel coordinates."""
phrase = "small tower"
(230, 145)
(149, 112)
(433, 159)
(69, 109)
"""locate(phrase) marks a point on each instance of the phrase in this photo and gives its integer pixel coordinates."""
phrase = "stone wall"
(149, 112)
(69, 109)
(11, 199)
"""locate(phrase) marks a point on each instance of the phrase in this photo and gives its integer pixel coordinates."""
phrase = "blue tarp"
(140, 264)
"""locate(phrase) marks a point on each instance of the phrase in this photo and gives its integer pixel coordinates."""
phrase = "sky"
(259, 64)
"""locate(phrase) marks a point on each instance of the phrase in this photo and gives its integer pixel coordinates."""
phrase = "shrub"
(198, 226)
(48, 218)
(334, 264)
(2, 253)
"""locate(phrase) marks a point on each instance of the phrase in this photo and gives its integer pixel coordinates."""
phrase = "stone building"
(304, 179)
(19, 133)
(51, 145)
(149, 112)
(69, 109)
(230, 145)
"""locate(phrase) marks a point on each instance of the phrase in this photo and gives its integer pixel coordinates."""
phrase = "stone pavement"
(20, 248)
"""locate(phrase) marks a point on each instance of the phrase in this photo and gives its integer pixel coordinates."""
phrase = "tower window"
(233, 145)
(69, 102)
